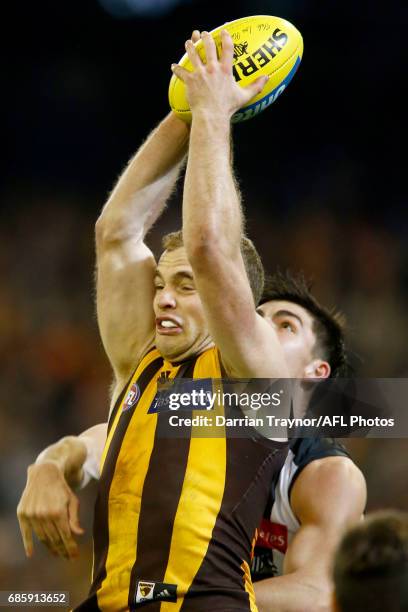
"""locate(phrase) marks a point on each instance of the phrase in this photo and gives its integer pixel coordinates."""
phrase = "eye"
(187, 288)
(289, 326)
(158, 285)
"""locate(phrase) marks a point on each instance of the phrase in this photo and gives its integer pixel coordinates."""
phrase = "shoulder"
(331, 488)
(150, 363)
(208, 364)
(302, 453)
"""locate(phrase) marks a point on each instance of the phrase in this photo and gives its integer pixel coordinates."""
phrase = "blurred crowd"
(55, 377)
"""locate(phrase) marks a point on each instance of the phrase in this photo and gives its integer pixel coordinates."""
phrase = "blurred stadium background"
(84, 82)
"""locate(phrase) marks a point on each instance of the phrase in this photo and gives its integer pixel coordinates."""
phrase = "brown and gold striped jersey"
(176, 518)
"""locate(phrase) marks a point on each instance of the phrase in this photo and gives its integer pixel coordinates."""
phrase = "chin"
(169, 348)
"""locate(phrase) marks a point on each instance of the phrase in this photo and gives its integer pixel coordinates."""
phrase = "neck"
(191, 352)
(301, 398)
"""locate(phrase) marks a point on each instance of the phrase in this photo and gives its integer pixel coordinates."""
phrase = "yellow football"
(263, 45)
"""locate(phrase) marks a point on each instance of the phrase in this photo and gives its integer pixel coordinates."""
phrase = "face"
(181, 329)
(294, 327)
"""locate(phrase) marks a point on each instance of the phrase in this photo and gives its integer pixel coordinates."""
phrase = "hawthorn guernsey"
(263, 45)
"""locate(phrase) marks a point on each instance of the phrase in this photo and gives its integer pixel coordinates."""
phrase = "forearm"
(211, 204)
(293, 593)
(78, 457)
(145, 185)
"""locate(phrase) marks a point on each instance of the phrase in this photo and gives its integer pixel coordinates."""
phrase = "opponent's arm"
(125, 265)
(212, 217)
(48, 505)
(328, 496)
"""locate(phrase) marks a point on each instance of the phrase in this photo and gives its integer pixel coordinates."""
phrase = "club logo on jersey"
(273, 535)
(149, 591)
(132, 397)
(144, 591)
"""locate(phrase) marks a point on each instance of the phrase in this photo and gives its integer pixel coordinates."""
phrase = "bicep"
(311, 550)
(327, 498)
(124, 299)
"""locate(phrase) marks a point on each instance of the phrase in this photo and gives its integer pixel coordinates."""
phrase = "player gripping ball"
(263, 46)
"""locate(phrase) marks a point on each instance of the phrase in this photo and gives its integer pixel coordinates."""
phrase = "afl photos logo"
(131, 398)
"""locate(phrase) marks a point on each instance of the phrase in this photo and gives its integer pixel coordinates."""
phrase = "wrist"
(175, 122)
(212, 134)
(178, 130)
(44, 466)
(47, 457)
(68, 455)
(219, 122)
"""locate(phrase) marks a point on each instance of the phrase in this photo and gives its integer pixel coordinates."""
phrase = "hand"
(50, 509)
(195, 36)
(211, 86)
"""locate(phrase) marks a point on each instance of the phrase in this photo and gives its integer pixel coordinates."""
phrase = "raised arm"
(125, 265)
(328, 496)
(48, 505)
(212, 217)
(125, 269)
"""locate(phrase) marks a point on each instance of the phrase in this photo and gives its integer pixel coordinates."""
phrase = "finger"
(73, 516)
(256, 87)
(193, 56)
(38, 527)
(227, 53)
(53, 541)
(195, 36)
(54, 537)
(66, 537)
(210, 48)
(27, 535)
(180, 72)
(59, 544)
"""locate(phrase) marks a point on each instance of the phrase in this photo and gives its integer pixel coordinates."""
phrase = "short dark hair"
(252, 260)
(328, 325)
(371, 565)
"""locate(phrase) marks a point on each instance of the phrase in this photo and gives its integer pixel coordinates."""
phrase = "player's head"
(312, 336)
(181, 327)
(371, 565)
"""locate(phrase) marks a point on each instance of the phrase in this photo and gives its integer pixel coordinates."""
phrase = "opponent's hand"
(211, 87)
(50, 509)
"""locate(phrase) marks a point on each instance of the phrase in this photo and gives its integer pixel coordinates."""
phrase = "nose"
(166, 299)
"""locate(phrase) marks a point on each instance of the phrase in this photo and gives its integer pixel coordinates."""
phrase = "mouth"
(168, 326)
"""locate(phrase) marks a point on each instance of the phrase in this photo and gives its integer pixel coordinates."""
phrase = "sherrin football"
(263, 45)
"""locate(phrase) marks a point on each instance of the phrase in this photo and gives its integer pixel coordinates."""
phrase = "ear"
(317, 369)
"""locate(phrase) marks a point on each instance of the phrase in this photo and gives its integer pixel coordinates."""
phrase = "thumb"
(73, 515)
(256, 87)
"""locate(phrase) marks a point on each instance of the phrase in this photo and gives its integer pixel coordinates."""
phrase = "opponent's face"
(181, 328)
(294, 327)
